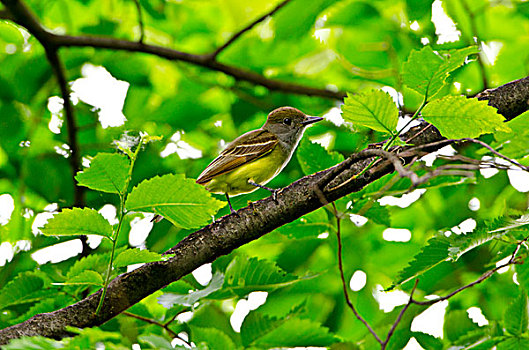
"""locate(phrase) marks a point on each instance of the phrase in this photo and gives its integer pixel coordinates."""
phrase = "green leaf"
(426, 71)
(77, 221)
(484, 232)
(515, 318)
(457, 325)
(522, 274)
(214, 338)
(108, 172)
(96, 262)
(180, 200)
(244, 275)
(259, 330)
(136, 256)
(428, 341)
(516, 143)
(20, 289)
(30, 343)
(434, 253)
(156, 342)
(88, 277)
(513, 343)
(458, 117)
(346, 13)
(309, 225)
(170, 299)
(305, 11)
(10, 33)
(375, 110)
(313, 157)
(373, 211)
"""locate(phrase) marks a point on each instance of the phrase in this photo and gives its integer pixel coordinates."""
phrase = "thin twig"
(169, 321)
(399, 318)
(512, 161)
(140, 20)
(221, 48)
(151, 321)
(344, 284)
(482, 278)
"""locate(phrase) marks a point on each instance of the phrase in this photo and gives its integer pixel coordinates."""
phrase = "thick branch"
(512, 99)
(222, 237)
(25, 18)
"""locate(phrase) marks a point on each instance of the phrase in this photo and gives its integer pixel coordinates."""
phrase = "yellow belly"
(259, 171)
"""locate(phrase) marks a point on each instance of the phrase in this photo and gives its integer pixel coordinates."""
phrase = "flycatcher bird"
(256, 157)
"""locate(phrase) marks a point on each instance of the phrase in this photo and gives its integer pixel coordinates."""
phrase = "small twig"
(169, 321)
(344, 284)
(140, 21)
(235, 36)
(482, 278)
(399, 318)
(151, 321)
(512, 161)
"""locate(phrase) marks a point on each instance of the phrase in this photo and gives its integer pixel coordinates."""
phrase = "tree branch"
(23, 16)
(225, 235)
(71, 128)
(69, 116)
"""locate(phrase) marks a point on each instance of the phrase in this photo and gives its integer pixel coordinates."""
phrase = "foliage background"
(345, 45)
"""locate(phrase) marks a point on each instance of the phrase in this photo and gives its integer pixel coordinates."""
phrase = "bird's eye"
(287, 121)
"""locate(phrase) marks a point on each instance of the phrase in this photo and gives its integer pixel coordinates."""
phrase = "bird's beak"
(309, 120)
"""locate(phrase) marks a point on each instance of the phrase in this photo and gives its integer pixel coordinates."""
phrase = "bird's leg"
(273, 190)
(229, 203)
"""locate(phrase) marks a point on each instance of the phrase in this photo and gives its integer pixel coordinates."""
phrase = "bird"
(253, 159)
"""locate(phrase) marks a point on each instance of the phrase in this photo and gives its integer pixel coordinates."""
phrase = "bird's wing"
(244, 149)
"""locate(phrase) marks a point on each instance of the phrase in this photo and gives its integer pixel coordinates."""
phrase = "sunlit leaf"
(374, 109)
(89, 277)
(108, 172)
(515, 318)
(426, 71)
(77, 221)
(179, 200)
(135, 256)
(458, 117)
